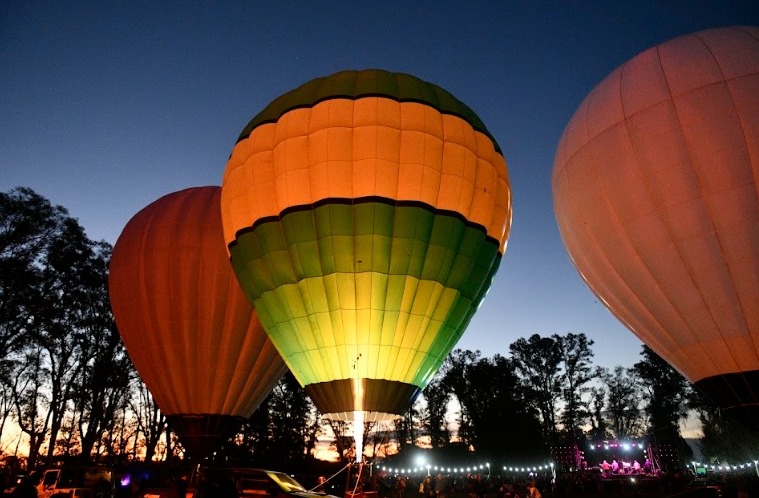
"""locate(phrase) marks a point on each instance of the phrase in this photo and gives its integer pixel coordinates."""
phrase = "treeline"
(68, 388)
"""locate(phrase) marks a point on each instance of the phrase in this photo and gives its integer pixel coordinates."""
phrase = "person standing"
(25, 489)
(533, 491)
(399, 490)
(428, 488)
(439, 486)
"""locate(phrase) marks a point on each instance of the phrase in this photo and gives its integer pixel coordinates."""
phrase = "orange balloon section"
(656, 194)
(191, 333)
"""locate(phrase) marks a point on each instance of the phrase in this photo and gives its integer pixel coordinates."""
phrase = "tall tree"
(281, 432)
(596, 405)
(623, 401)
(405, 427)
(379, 439)
(53, 292)
(455, 374)
(666, 394)
(151, 423)
(66, 270)
(291, 429)
(342, 442)
(255, 440)
(538, 362)
(105, 371)
(493, 399)
(27, 223)
(103, 387)
(43, 289)
(578, 371)
(436, 396)
(31, 402)
(6, 395)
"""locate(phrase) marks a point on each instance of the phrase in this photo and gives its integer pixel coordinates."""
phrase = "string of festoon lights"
(726, 467)
(466, 469)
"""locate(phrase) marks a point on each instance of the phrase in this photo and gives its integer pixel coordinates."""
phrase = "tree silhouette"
(578, 371)
(538, 362)
(502, 424)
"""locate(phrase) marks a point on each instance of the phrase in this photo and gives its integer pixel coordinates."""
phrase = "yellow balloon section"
(656, 193)
(365, 214)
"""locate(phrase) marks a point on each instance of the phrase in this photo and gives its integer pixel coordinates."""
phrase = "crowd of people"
(469, 486)
(585, 483)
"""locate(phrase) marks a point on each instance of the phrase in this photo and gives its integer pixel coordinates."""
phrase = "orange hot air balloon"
(191, 333)
(656, 194)
(366, 214)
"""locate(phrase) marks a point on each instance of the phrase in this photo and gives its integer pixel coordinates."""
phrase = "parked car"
(247, 483)
(76, 482)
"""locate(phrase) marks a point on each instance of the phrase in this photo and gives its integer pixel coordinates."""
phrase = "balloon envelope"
(365, 214)
(656, 193)
(190, 331)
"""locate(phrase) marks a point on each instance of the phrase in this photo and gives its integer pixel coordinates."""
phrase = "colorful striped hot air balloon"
(366, 214)
(191, 333)
(656, 193)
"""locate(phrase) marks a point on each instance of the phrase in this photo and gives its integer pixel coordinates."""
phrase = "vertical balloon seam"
(200, 329)
(161, 349)
(716, 233)
(295, 336)
(214, 343)
(140, 270)
(318, 335)
(173, 257)
(580, 265)
(754, 172)
(753, 160)
(444, 281)
(585, 107)
(630, 241)
(684, 322)
(415, 346)
(191, 239)
(381, 368)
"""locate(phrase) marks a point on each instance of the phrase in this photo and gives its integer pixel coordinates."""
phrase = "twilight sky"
(107, 106)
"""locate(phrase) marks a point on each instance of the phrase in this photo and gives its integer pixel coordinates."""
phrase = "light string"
(726, 467)
(465, 469)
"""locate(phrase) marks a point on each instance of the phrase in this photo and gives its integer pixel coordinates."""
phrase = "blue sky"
(107, 106)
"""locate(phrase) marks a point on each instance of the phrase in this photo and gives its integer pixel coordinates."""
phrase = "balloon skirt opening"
(203, 434)
(737, 394)
(382, 399)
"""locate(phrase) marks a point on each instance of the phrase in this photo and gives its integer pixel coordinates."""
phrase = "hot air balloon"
(365, 214)
(656, 194)
(191, 333)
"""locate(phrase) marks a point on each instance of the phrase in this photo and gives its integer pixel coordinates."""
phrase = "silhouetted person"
(25, 489)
